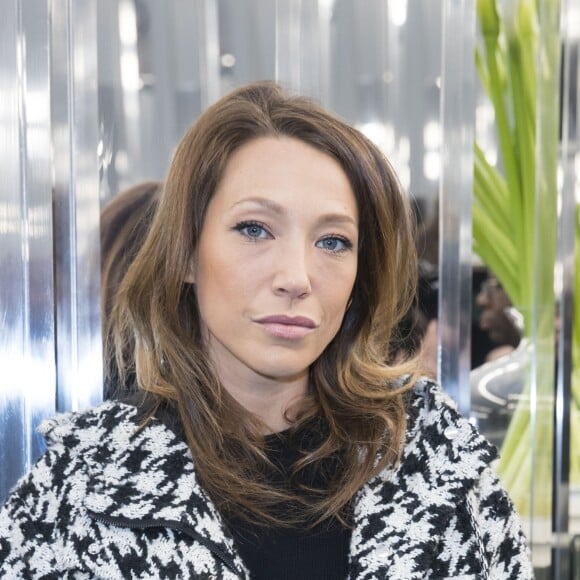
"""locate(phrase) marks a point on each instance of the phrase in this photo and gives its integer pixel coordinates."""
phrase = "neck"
(273, 401)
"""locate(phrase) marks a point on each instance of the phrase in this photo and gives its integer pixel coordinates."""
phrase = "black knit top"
(297, 553)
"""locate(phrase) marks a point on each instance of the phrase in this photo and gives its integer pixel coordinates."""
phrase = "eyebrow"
(277, 209)
(267, 203)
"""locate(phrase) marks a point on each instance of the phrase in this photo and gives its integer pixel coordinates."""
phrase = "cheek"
(337, 295)
(225, 280)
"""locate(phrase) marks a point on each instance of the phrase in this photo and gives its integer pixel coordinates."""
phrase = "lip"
(287, 327)
(288, 320)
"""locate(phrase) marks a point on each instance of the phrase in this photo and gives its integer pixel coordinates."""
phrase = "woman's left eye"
(252, 230)
(334, 244)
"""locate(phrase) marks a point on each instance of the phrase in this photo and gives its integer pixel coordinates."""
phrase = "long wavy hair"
(355, 391)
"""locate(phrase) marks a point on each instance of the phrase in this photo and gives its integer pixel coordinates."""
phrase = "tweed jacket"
(108, 500)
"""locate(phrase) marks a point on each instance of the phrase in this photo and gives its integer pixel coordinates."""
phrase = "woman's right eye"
(253, 230)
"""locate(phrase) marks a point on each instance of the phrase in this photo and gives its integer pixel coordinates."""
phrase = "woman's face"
(276, 260)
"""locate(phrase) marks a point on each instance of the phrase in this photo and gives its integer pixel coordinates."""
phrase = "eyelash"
(241, 226)
(347, 243)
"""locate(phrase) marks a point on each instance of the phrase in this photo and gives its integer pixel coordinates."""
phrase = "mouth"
(287, 327)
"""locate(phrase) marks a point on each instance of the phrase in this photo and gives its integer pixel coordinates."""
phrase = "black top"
(297, 553)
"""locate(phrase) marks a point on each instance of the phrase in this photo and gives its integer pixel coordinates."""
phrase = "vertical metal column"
(325, 10)
(302, 45)
(28, 377)
(456, 186)
(288, 71)
(76, 203)
(542, 385)
(564, 285)
(209, 53)
(130, 87)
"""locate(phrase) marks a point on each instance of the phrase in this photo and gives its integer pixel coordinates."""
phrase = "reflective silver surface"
(28, 377)
(455, 196)
(565, 291)
(76, 203)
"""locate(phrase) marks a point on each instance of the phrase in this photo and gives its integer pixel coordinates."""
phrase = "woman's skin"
(274, 269)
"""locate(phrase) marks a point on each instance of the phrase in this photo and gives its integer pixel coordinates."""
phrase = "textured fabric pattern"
(441, 513)
(111, 501)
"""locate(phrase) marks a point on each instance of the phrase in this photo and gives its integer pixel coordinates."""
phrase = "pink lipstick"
(288, 327)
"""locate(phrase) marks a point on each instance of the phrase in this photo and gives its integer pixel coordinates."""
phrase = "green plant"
(514, 215)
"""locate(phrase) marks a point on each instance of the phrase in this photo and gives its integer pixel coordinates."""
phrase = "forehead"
(285, 169)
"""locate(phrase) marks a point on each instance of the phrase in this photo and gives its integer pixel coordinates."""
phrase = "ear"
(190, 276)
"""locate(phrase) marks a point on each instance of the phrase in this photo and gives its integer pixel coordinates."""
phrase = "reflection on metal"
(28, 378)
(210, 51)
(564, 285)
(298, 44)
(543, 306)
(128, 63)
(456, 186)
(76, 203)
(288, 39)
(325, 9)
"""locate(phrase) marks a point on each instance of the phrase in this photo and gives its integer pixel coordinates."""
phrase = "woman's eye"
(252, 230)
(334, 244)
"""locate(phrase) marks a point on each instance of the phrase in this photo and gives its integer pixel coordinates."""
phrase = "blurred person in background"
(124, 225)
(495, 319)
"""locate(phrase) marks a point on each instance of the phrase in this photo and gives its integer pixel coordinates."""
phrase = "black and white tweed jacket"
(109, 501)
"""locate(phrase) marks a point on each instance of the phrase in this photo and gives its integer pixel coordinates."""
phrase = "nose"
(291, 274)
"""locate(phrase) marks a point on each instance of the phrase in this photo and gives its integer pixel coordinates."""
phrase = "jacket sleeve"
(498, 531)
(28, 520)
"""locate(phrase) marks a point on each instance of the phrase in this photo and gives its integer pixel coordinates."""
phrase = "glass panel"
(455, 200)
(515, 227)
(567, 452)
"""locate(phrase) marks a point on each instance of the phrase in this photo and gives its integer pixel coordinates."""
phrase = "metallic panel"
(543, 305)
(298, 45)
(76, 203)
(564, 285)
(28, 380)
(210, 53)
(456, 186)
(288, 69)
(128, 63)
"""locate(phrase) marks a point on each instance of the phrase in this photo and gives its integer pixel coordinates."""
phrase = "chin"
(285, 375)
(282, 373)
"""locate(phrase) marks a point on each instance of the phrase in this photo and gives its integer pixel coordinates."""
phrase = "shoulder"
(443, 455)
(110, 423)
(77, 443)
(104, 448)
(436, 429)
(441, 498)
(111, 437)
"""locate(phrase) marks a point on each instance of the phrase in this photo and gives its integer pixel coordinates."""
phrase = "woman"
(269, 439)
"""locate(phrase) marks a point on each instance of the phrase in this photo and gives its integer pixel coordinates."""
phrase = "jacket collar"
(141, 477)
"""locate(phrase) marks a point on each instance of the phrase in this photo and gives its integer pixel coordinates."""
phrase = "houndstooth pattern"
(108, 500)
